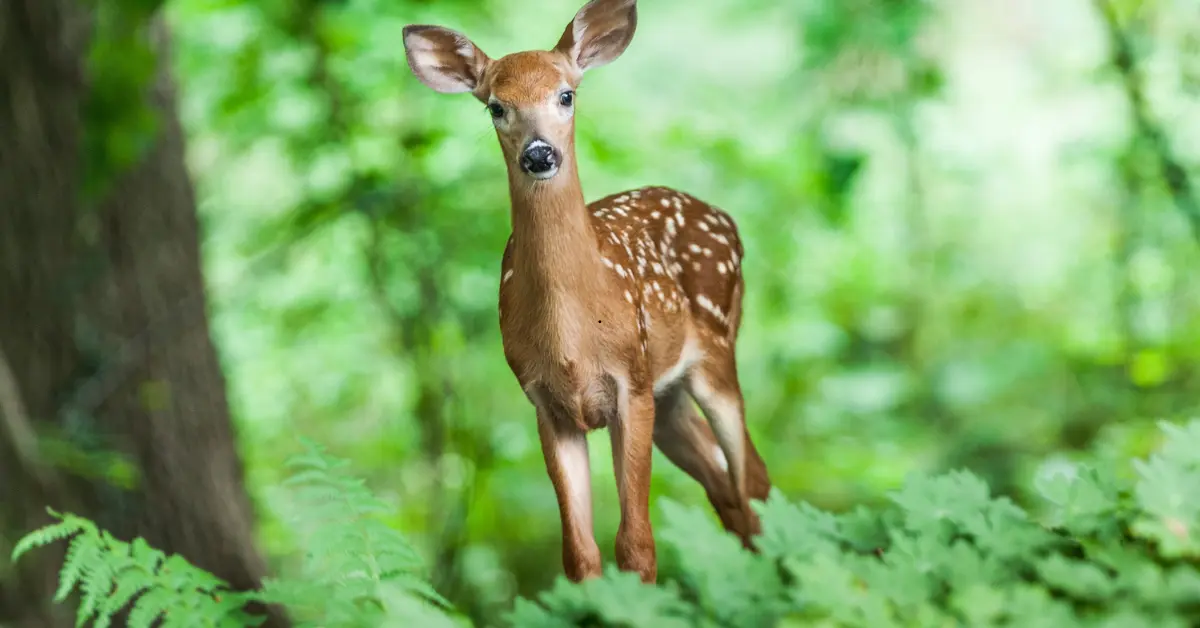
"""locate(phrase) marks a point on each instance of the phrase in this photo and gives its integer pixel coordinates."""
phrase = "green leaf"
(1079, 579)
(753, 598)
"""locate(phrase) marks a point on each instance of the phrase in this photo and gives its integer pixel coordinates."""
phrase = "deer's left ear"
(443, 59)
(599, 33)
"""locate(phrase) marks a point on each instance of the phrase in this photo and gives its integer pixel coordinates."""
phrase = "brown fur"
(612, 313)
(524, 78)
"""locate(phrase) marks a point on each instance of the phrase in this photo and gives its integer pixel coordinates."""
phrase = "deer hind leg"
(565, 449)
(714, 386)
(688, 442)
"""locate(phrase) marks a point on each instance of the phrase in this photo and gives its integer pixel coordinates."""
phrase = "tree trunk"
(104, 338)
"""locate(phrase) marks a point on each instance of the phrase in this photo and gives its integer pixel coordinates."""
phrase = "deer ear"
(444, 60)
(599, 33)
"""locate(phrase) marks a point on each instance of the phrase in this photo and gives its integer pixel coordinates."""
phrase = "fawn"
(612, 313)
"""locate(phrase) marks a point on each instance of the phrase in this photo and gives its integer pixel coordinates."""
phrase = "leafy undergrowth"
(944, 553)
(356, 571)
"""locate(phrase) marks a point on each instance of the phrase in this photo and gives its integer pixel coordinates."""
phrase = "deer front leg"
(633, 445)
(564, 447)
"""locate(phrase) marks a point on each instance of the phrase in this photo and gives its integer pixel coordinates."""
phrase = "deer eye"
(566, 98)
(496, 110)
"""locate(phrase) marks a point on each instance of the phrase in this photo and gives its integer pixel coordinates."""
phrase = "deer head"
(530, 96)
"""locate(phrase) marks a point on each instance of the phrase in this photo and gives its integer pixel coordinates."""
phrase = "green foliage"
(84, 459)
(120, 124)
(944, 553)
(111, 574)
(357, 571)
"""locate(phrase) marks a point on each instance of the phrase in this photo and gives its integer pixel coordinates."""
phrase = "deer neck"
(555, 246)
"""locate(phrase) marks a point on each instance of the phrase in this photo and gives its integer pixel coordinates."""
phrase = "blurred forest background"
(969, 229)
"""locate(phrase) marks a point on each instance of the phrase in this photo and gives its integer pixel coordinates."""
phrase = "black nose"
(538, 157)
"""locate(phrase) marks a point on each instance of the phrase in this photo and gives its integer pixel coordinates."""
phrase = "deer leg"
(564, 447)
(715, 388)
(758, 481)
(688, 442)
(633, 446)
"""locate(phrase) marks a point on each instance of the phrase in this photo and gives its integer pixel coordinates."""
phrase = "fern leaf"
(83, 550)
(149, 607)
(129, 584)
(95, 587)
(146, 556)
(353, 557)
(67, 526)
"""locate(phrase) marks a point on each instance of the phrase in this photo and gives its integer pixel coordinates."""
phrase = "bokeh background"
(971, 242)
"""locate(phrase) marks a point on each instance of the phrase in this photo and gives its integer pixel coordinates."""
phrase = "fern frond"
(84, 550)
(149, 607)
(359, 571)
(146, 557)
(66, 526)
(351, 554)
(122, 594)
(95, 587)
(112, 575)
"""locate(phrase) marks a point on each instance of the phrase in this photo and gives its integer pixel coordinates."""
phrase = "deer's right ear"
(444, 60)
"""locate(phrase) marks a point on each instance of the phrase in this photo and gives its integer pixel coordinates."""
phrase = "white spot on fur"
(708, 306)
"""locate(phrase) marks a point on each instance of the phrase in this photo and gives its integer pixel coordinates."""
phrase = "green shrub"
(1109, 552)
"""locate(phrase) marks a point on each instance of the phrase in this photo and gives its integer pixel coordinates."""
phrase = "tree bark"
(104, 337)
